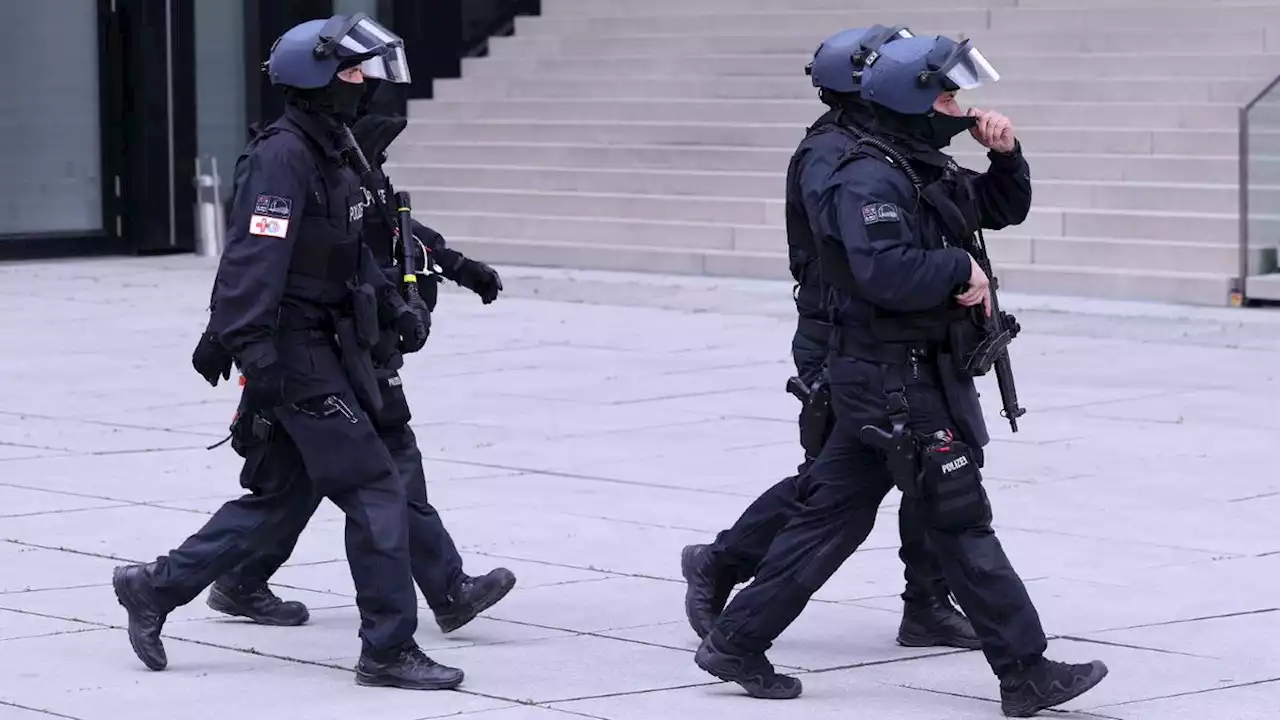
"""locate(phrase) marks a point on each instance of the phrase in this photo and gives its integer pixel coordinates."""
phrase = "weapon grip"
(404, 210)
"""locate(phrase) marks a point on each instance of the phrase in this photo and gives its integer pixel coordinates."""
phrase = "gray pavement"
(582, 430)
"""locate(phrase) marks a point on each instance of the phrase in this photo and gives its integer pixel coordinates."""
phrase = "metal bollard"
(211, 225)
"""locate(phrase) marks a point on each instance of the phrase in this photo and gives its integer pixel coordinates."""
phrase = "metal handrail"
(1242, 290)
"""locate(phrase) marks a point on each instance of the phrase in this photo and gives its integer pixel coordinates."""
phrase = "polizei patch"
(273, 206)
(873, 213)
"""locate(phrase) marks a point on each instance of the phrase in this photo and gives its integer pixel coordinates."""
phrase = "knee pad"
(954, 498)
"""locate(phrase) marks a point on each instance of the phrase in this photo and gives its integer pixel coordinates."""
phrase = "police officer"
(454, 597)
(905, 297)
(296, 301)
(711, 571)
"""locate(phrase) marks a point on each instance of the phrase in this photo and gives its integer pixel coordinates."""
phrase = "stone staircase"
(654, 135)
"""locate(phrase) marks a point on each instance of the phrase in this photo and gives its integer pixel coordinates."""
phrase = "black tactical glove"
(211, 359)
(480, 279)
(412, 327)
(264, 386)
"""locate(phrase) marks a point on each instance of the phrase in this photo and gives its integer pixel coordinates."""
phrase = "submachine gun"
(1000, 330)
(401, 229)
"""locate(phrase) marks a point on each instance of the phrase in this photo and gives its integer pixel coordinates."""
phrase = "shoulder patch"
(273, 206)
(873, 213)
(268, 226)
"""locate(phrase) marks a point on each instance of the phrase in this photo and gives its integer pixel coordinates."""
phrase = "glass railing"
(1259, 198)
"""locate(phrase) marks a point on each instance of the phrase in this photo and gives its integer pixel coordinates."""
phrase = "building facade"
(125, 99)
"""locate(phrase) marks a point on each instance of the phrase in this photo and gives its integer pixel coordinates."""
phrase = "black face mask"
(938, 129)
(344, 99)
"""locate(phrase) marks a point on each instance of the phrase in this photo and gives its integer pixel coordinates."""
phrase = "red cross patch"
(268, 226)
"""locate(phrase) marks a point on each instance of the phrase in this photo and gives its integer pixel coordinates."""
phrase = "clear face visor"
(381, 51)
(966, 68)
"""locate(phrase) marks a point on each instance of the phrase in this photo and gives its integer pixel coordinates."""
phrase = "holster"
(816, 418)
(900, 446)
(249, 429)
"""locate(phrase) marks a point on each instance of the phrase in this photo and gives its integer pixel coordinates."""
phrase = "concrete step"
(1190, 288)
(1209, 4)
(745, 211)
(1216, 228)
(1151, 285)
(776, 135)
(1147, 116)
(773, 161)
(1203, 198)
(630, 8)
(758, 185)
(695, 86)
(818, 24)
(1263, 287)
(1014, 245)
(644, 21)
(1155, 16)
(1010, 246)
(589, 155)
(768, 41)
(1011, 66)
(603, 232)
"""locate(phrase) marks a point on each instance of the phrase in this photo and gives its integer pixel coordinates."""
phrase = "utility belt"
(847, 344)
(317, 290)
(816, 331)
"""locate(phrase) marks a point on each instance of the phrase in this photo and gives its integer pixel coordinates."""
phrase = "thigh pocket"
(270, 468)
(338, 443)
(395, 406)
(953, 494)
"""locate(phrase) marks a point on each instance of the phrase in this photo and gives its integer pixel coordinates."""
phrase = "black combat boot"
(935, 622)
(258, 604)
(707, 591)
(473, 596)
(409, 668)
(753, 672)
(1046, 684)
(147, 613)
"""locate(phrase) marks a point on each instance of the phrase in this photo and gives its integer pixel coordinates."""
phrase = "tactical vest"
(946, 225)
(326, 254)
(377, 234)
(802, 248)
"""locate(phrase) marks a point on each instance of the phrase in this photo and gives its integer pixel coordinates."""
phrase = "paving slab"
(15, 625)
(201, 682)
(581, 431)
(1250, 701)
